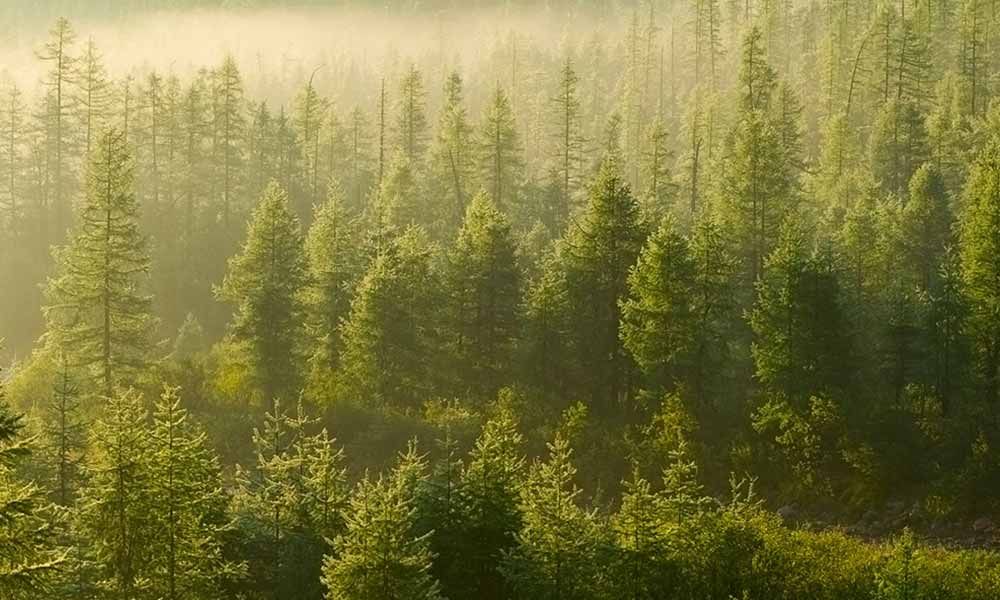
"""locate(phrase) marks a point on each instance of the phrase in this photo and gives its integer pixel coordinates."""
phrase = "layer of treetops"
(558, 320)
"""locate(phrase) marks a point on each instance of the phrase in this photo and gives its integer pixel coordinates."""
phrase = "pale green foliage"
(380, 556)
(98, 313)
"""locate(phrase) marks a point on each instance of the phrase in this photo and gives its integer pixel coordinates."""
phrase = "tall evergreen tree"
(116, 507)
(389, 336)
(265, 282)
(500, 164)
(558, 540)
(334, 269)
(190, 509)
(491, 484)
(483, 280)
(597, 254)
(56, 113)
(451, 165)
(97, 311)
(411, 120)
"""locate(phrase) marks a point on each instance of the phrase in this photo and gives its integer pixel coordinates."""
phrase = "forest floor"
(981, 532)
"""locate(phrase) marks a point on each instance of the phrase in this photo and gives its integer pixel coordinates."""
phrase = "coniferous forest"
(567, 300)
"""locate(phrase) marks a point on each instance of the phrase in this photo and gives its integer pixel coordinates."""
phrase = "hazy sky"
(302, 39)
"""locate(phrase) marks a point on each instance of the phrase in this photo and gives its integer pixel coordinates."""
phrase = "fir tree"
(116, 507)
(484, 284)
(499, 160)
(97, 311)
(451, 165)
(265, 282)
(597, 254)
(190, 509)
(389, 335)
(28, 560)
(491, 484)
(558, 540)
(334, 269)
(380, 556)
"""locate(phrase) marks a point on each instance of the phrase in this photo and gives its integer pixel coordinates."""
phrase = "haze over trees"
(594, 300)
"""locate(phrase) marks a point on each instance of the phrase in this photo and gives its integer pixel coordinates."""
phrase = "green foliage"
(380, 556)
(28, 558)
(388, 337)
(97, 312)
(264, 282)
(483, 279)
(559, 540)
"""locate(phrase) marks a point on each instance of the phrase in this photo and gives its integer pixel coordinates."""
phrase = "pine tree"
(569, 142)
(801, 344)
(56, 111)
(334, 269)
(756, 189)
(27, 559)
(596, 255)
(294, 499)
(980, 270)
(451, 165)
(643, 568)
(97, 312)
(411, 121)
(310, 108)
(93, 94)
(558, 541)
(265, 282)
(190, 510)
(491, 484)
(64, 435)
(229, 122)
(116, 506)
(380, 556)
(389, 336)
(483, 280)
(659, 189)
(499, 160)
(926, 225)
(657, 325)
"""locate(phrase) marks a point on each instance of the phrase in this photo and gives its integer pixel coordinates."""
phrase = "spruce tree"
(658, 317)
(569, 142)
(97, 312)
(190, 507)
(596, 256)
(411, 121)
(335, 265)
(801, 344)
(483, 282)
(116, 507)
(56, 112)
(499, 159)
(63, 435)
(265, 282)
(389, 337)
(28, 559)
(491, 486)
(451, 165)
(558, 541)
(380, 556)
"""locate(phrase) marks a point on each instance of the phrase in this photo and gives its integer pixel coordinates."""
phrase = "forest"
(573, 300)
